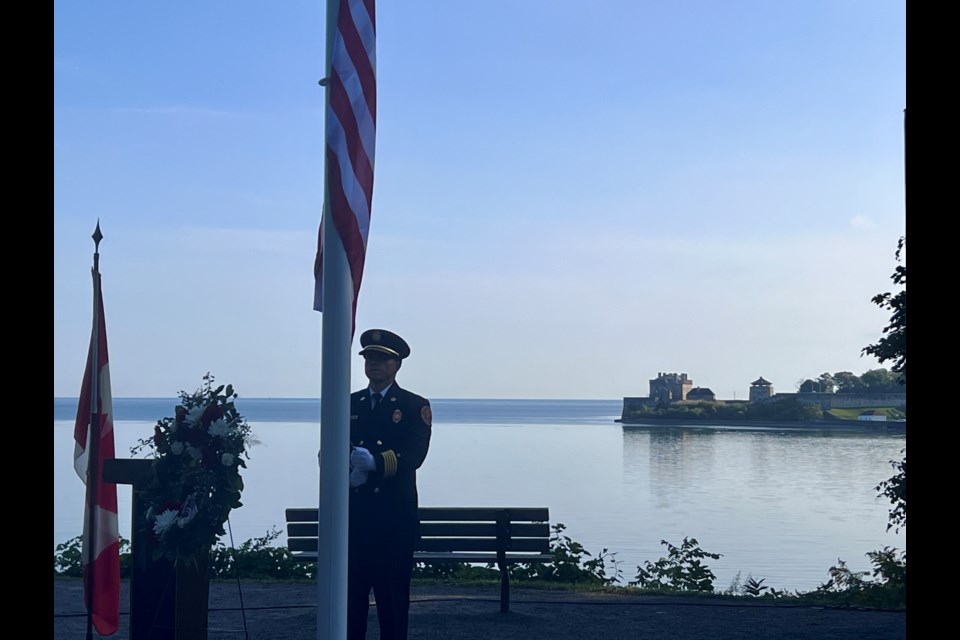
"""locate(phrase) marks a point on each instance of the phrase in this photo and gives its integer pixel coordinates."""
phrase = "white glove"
(357, 477)
(362, 460)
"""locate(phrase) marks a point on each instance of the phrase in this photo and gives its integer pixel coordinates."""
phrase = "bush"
(751, 588)
(787, 409)
(887, 589)
(681, 570)
(571, 563)
(67, 558)
(256, 559)
(455, 572)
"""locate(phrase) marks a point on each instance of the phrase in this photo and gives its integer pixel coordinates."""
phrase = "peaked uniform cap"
(384, 341)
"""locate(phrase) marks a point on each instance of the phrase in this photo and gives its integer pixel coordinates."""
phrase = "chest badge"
(427, 415)
(397, 416)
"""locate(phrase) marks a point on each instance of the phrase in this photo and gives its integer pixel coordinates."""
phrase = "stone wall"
(633, 404)
(851, 400)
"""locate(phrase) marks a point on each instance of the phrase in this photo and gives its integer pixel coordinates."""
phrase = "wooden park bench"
(488, 535)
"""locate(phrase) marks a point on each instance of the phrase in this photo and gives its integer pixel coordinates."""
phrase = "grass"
(893, 413)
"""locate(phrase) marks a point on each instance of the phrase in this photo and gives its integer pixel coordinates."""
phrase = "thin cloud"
(180, 110)
(861, 222)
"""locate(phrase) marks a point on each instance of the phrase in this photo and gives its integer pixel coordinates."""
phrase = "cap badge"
(375, 336)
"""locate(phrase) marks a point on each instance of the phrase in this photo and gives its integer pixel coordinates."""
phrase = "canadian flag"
(101, 579)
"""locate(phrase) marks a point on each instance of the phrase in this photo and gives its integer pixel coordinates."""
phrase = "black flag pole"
(93, 433)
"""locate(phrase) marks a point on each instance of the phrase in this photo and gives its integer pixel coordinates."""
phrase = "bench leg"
(504, 589)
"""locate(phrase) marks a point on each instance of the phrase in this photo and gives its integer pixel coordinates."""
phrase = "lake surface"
(779, 504)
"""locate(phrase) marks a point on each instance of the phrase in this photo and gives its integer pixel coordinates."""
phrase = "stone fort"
(678, 387)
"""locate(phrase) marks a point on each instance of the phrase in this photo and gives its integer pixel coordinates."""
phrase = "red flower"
(211, 413)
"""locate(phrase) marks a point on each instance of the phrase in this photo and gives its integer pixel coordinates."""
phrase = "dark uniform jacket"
(397, 433)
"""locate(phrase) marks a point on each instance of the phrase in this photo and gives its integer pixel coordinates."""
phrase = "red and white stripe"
(350, 138)
(105, 572)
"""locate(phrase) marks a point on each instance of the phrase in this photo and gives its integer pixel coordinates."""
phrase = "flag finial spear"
(97, 237)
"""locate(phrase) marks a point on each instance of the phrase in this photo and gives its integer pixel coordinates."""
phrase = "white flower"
(176, 448)
(189, 512)
(227, 459)
(164, 521)
(219, 428)
(194, 452)
(193, 416)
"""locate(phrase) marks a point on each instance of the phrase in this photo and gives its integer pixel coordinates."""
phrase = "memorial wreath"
(197, 455)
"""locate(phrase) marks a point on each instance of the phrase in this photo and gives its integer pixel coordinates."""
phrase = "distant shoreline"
(821, 425)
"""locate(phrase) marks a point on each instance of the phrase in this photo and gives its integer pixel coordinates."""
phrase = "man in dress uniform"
(389, 436)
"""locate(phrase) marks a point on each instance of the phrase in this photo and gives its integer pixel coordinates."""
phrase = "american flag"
(351, 120)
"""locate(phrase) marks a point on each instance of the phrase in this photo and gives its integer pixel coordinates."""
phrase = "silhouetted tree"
(893, 345)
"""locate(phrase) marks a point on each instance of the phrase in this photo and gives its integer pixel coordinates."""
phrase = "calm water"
(782, 505)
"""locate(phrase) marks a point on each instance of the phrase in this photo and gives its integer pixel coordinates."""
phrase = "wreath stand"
(166, 602)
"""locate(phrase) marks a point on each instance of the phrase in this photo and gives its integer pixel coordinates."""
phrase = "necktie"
(377, 397)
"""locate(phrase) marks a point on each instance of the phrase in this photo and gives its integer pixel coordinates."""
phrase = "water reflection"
(758, 492)
(678, 460)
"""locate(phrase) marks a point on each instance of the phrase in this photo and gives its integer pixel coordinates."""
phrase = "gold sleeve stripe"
(389, 463)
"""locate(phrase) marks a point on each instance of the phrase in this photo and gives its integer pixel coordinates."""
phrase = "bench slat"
(446, 529)
(482, 544)
(446, 544)
(430, 557)
(481, 529)
(456, 514)
(460, 514)
(453, 556)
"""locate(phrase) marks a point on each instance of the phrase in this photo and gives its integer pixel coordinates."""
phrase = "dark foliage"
(892, 346)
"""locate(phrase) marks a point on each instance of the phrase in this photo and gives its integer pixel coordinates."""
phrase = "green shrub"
(751, 588)
(455, 572)
(67, 558)
(254, 559)
(257, 559)
(681, 570)
(571, 563)
(887, 589)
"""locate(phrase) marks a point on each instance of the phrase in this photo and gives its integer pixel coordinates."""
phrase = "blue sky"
(569, 197)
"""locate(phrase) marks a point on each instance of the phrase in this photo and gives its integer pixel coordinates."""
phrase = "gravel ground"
(287, 610)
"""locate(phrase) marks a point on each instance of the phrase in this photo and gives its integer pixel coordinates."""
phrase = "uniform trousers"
(386, 569)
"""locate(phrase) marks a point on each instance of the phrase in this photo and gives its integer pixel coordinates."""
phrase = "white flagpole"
(332, 544)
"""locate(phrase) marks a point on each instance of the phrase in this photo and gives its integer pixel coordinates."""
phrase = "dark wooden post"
(158, 592)
(503, 545)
